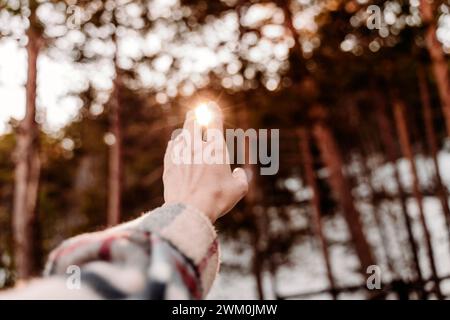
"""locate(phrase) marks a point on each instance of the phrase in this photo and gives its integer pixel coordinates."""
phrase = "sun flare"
(203, 114)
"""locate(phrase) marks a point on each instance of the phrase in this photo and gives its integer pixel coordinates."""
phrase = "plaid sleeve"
(169, 253)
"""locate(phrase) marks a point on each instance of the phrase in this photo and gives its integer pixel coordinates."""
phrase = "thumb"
(240, 181)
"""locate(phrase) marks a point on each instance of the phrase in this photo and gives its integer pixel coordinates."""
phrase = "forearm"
(169, 253)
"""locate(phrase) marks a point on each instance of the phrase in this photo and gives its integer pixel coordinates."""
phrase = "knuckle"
(217, 193)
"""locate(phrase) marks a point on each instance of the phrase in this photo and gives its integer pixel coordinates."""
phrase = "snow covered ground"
(308, 274)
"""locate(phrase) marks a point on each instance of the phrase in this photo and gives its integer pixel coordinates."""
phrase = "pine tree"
(28, 162)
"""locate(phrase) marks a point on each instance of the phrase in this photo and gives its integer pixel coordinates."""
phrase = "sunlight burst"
(203, 114)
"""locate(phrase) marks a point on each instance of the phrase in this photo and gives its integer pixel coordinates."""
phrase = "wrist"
(203, 209)
(200, 208)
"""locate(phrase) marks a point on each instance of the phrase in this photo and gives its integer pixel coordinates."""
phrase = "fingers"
(214, 134)
(169, 148)
(192, 127)
(217, 119)
(177, 151)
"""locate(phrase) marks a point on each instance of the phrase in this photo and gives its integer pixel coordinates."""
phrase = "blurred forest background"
(359, 89)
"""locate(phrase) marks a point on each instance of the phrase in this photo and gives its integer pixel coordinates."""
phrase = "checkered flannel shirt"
(169, 253)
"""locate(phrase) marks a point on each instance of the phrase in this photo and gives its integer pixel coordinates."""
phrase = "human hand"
(208, 186)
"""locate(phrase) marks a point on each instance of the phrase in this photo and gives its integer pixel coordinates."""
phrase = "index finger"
(216, 122)
(192, 127)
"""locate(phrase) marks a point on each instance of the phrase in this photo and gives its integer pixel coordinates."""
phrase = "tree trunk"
(405, 144)
(27, 171)
(333, 159)
(115, 156)
(252, 198)
(377, 217)
(438, 59)
(387, 138)
(257, 266)
(308, 165)
(432, 142)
